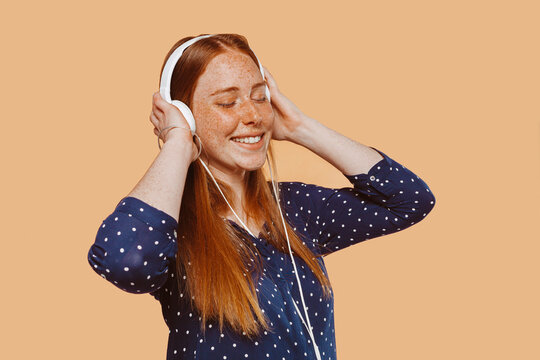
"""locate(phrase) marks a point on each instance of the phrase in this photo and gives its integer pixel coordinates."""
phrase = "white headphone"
(165, 91)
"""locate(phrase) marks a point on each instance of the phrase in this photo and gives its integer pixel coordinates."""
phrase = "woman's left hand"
(287, 117)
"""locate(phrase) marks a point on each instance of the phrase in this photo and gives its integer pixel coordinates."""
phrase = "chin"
(251, 162)
(252, 165)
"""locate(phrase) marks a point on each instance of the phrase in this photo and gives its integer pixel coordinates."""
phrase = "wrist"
(179, 141)
(304, 132)
(178, 134)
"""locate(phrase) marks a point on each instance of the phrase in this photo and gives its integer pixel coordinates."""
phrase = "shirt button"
(372, 178)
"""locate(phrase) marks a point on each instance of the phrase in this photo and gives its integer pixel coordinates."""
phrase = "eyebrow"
(234, 88)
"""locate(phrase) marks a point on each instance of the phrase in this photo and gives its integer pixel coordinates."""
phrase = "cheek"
(268, 112)
(215, 126)
(269, 119)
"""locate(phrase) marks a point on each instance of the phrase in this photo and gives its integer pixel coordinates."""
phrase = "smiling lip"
(255, 146)
(248, 135)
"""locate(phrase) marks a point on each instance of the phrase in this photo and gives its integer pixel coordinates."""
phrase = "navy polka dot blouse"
(135, 249)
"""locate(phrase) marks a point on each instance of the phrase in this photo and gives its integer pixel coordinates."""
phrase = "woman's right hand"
(163, 115)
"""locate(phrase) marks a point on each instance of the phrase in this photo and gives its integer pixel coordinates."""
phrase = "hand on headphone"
(287, 116)
(163, 115)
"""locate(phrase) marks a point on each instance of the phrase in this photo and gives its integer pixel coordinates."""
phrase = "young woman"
(229, 291)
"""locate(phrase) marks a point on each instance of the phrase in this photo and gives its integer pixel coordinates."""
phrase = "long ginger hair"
(213, 257)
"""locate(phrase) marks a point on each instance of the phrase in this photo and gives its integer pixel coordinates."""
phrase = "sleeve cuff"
(377, 177)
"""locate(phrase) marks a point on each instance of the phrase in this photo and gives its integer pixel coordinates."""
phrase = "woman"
(226, 294)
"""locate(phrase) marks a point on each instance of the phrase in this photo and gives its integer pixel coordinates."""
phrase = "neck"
(235, 179)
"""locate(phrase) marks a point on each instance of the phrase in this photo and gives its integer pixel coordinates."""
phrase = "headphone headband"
(166, 75)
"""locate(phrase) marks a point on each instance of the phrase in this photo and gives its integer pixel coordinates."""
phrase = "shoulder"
(303, 200)
(295, 191)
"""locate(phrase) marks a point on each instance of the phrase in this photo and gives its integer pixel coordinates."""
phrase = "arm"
(163, 183)
(136, 243)
(348, 156)
(386, 197)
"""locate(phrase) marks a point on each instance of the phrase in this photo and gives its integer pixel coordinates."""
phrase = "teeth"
(248, 140)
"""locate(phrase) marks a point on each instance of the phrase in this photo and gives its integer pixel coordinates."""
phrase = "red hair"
(213, 258)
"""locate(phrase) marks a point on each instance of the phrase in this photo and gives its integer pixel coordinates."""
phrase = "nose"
(250, 113)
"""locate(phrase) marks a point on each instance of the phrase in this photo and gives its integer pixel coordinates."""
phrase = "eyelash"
(231, 104)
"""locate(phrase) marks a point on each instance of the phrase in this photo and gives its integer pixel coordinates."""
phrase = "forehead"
(228, 69)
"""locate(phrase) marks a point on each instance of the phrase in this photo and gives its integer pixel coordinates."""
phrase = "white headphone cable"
(308, 325)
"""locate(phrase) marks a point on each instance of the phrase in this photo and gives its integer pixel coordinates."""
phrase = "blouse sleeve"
(387, 199)
(134, 246)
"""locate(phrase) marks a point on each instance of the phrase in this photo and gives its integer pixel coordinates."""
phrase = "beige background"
(448, 89)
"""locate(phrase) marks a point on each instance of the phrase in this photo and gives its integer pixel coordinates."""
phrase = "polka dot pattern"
(135, 249)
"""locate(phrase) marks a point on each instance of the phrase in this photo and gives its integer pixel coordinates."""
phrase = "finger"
(156, 131)
(154, 119)
(267, 74)
(156, 107)
(160, 101)
(162, 107)
(270, 81)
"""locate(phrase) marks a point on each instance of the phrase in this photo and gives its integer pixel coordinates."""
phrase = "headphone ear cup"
(186, 112)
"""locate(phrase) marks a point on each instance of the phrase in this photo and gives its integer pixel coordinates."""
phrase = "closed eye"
(234, 102)
(227, 105)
